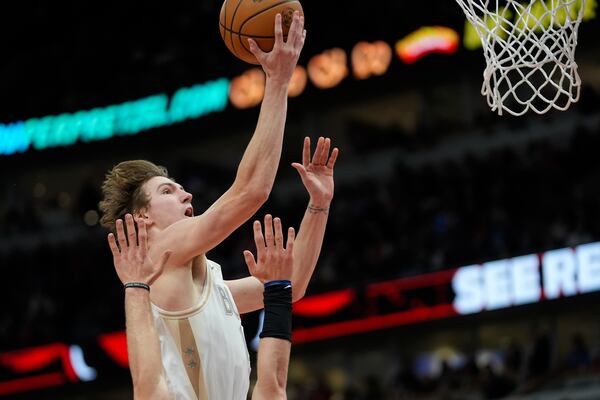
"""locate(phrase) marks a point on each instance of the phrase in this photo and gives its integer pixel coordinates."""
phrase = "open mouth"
(189, 212)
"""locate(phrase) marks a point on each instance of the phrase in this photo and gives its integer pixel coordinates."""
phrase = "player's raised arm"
(137, 272)
(273, 266)
(258, 167)
(317, 176)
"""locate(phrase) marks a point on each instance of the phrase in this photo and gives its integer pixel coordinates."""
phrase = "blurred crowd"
(508, 203)
(480, 207)
(516, 369)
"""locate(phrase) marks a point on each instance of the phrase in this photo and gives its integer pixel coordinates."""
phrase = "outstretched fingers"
(293, 31)
(259, 240)
(301, 38)
(272, 259)
(279, 31)
(269, 236)
(333, 158)
(250, 261)
(112, 243)
(325, 151)
(254, 49)
(142, 236)
(131, 232)
(289, 246)
(142, 233)
(296, 33)
(121, 235)
(278, 234)
(306, 152)
(318, 150)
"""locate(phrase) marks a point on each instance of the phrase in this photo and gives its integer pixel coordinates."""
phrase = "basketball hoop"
(529, 50)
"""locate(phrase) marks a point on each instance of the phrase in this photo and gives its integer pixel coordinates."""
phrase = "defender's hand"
(317, 174)
(279, 63)
(274, 262)
(130, 256)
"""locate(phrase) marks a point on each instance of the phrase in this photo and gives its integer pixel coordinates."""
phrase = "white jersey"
(203, 349)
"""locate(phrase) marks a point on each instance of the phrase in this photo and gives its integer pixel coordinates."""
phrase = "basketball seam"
(250, 36)
(224, 17)
(258, 13)
(225, 20)
(232, 20)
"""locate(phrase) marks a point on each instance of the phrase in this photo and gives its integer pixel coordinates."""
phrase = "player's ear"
(143, 214)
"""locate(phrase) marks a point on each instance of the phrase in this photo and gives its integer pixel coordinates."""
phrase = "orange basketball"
(243, 19)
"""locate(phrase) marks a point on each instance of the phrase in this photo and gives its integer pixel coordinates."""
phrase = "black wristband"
(278, 311)
(140, 285)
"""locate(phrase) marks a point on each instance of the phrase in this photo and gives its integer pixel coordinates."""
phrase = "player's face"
(169, 203)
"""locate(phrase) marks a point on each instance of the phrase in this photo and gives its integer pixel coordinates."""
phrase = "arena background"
(430, 184)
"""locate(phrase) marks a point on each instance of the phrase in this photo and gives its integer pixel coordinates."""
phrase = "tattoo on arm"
(317, 210)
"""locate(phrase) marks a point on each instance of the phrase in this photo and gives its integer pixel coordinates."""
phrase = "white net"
(529, 49)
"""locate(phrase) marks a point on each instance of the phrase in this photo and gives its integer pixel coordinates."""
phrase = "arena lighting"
(324, 304)
(41, 358)
(248, 89)
(115, 345)
(328, 69)
(369, 324)
(325, 70)
(471, 39)
(32, 383)
(370, 59)
(467, 290)
(38, 360)
(427, 40)
(298, 81)
(381, 305)
(83, 371)
(128, 118)
(515, 281)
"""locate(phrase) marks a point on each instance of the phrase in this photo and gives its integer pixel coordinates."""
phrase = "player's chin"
(185, 217)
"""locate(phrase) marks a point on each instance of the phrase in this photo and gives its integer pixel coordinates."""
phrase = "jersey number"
(226, 300)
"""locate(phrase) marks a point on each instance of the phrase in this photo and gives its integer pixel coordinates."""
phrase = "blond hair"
(122, 189)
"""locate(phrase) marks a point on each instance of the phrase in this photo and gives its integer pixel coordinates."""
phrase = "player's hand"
(130, 256)
(317, 173)
(279, 63)
(273, 261)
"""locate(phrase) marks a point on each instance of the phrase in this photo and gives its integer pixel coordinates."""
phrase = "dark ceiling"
(66, 56)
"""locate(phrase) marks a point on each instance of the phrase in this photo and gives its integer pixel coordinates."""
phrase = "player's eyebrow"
(170, 184)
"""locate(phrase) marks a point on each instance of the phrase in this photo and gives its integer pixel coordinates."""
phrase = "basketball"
(254, 19)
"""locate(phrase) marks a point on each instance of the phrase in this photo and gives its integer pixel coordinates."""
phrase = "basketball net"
(529, 51)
